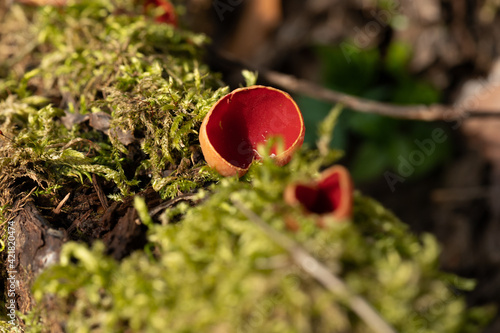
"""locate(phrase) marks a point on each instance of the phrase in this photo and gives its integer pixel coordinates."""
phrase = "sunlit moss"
(98, 56)
(206, 268)
(216, 269)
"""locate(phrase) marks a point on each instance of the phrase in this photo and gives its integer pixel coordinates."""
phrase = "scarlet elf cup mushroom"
(331, 195)
(168, 16)
(244, 119)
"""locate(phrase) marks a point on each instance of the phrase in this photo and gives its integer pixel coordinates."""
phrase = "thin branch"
(433, 112)
(100, 193)
(161, 207)
(461, 193)
(5, 136)
(415, 112)
(318, 271)
(57, 210)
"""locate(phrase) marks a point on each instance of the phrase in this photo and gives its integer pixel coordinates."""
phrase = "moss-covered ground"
(96, 89)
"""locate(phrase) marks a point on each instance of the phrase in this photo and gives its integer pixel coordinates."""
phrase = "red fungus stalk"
(331, 195)
(244, 119)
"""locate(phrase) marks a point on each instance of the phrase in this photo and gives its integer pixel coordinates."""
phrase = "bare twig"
(415, 112)
(57, 210)
(292, 84)
(5, 136)
(460, 194)
(161, 207)
(318, 271)
(100, 192)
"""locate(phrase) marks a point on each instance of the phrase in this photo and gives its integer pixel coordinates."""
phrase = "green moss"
(96, 56)
(206, 268)
(216, 270)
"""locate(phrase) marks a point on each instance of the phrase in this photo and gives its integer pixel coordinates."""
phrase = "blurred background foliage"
(374, 142)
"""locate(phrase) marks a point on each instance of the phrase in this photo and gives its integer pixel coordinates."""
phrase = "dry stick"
(290, 83)
(461, 193)
(161, 207)
(5, 136)
(100, 192)
(57, 210)
(318, 271)
(415, 112)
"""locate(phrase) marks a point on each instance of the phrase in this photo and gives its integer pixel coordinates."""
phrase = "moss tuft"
(100, 90)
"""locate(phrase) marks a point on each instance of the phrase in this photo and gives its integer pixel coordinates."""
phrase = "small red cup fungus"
(244, 119)
(331, 195)
(168, 16)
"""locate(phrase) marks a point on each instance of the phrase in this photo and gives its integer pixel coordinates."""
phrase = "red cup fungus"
(168, 16)
(331, 195)
(244, 119)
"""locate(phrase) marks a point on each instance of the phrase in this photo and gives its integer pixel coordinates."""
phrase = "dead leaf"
(124, 136)
(100, 121)
(71, 119)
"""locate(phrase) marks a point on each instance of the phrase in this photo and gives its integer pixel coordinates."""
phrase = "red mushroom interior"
(243, 120)
(330, 194)
(325, 198)
(307, 196)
